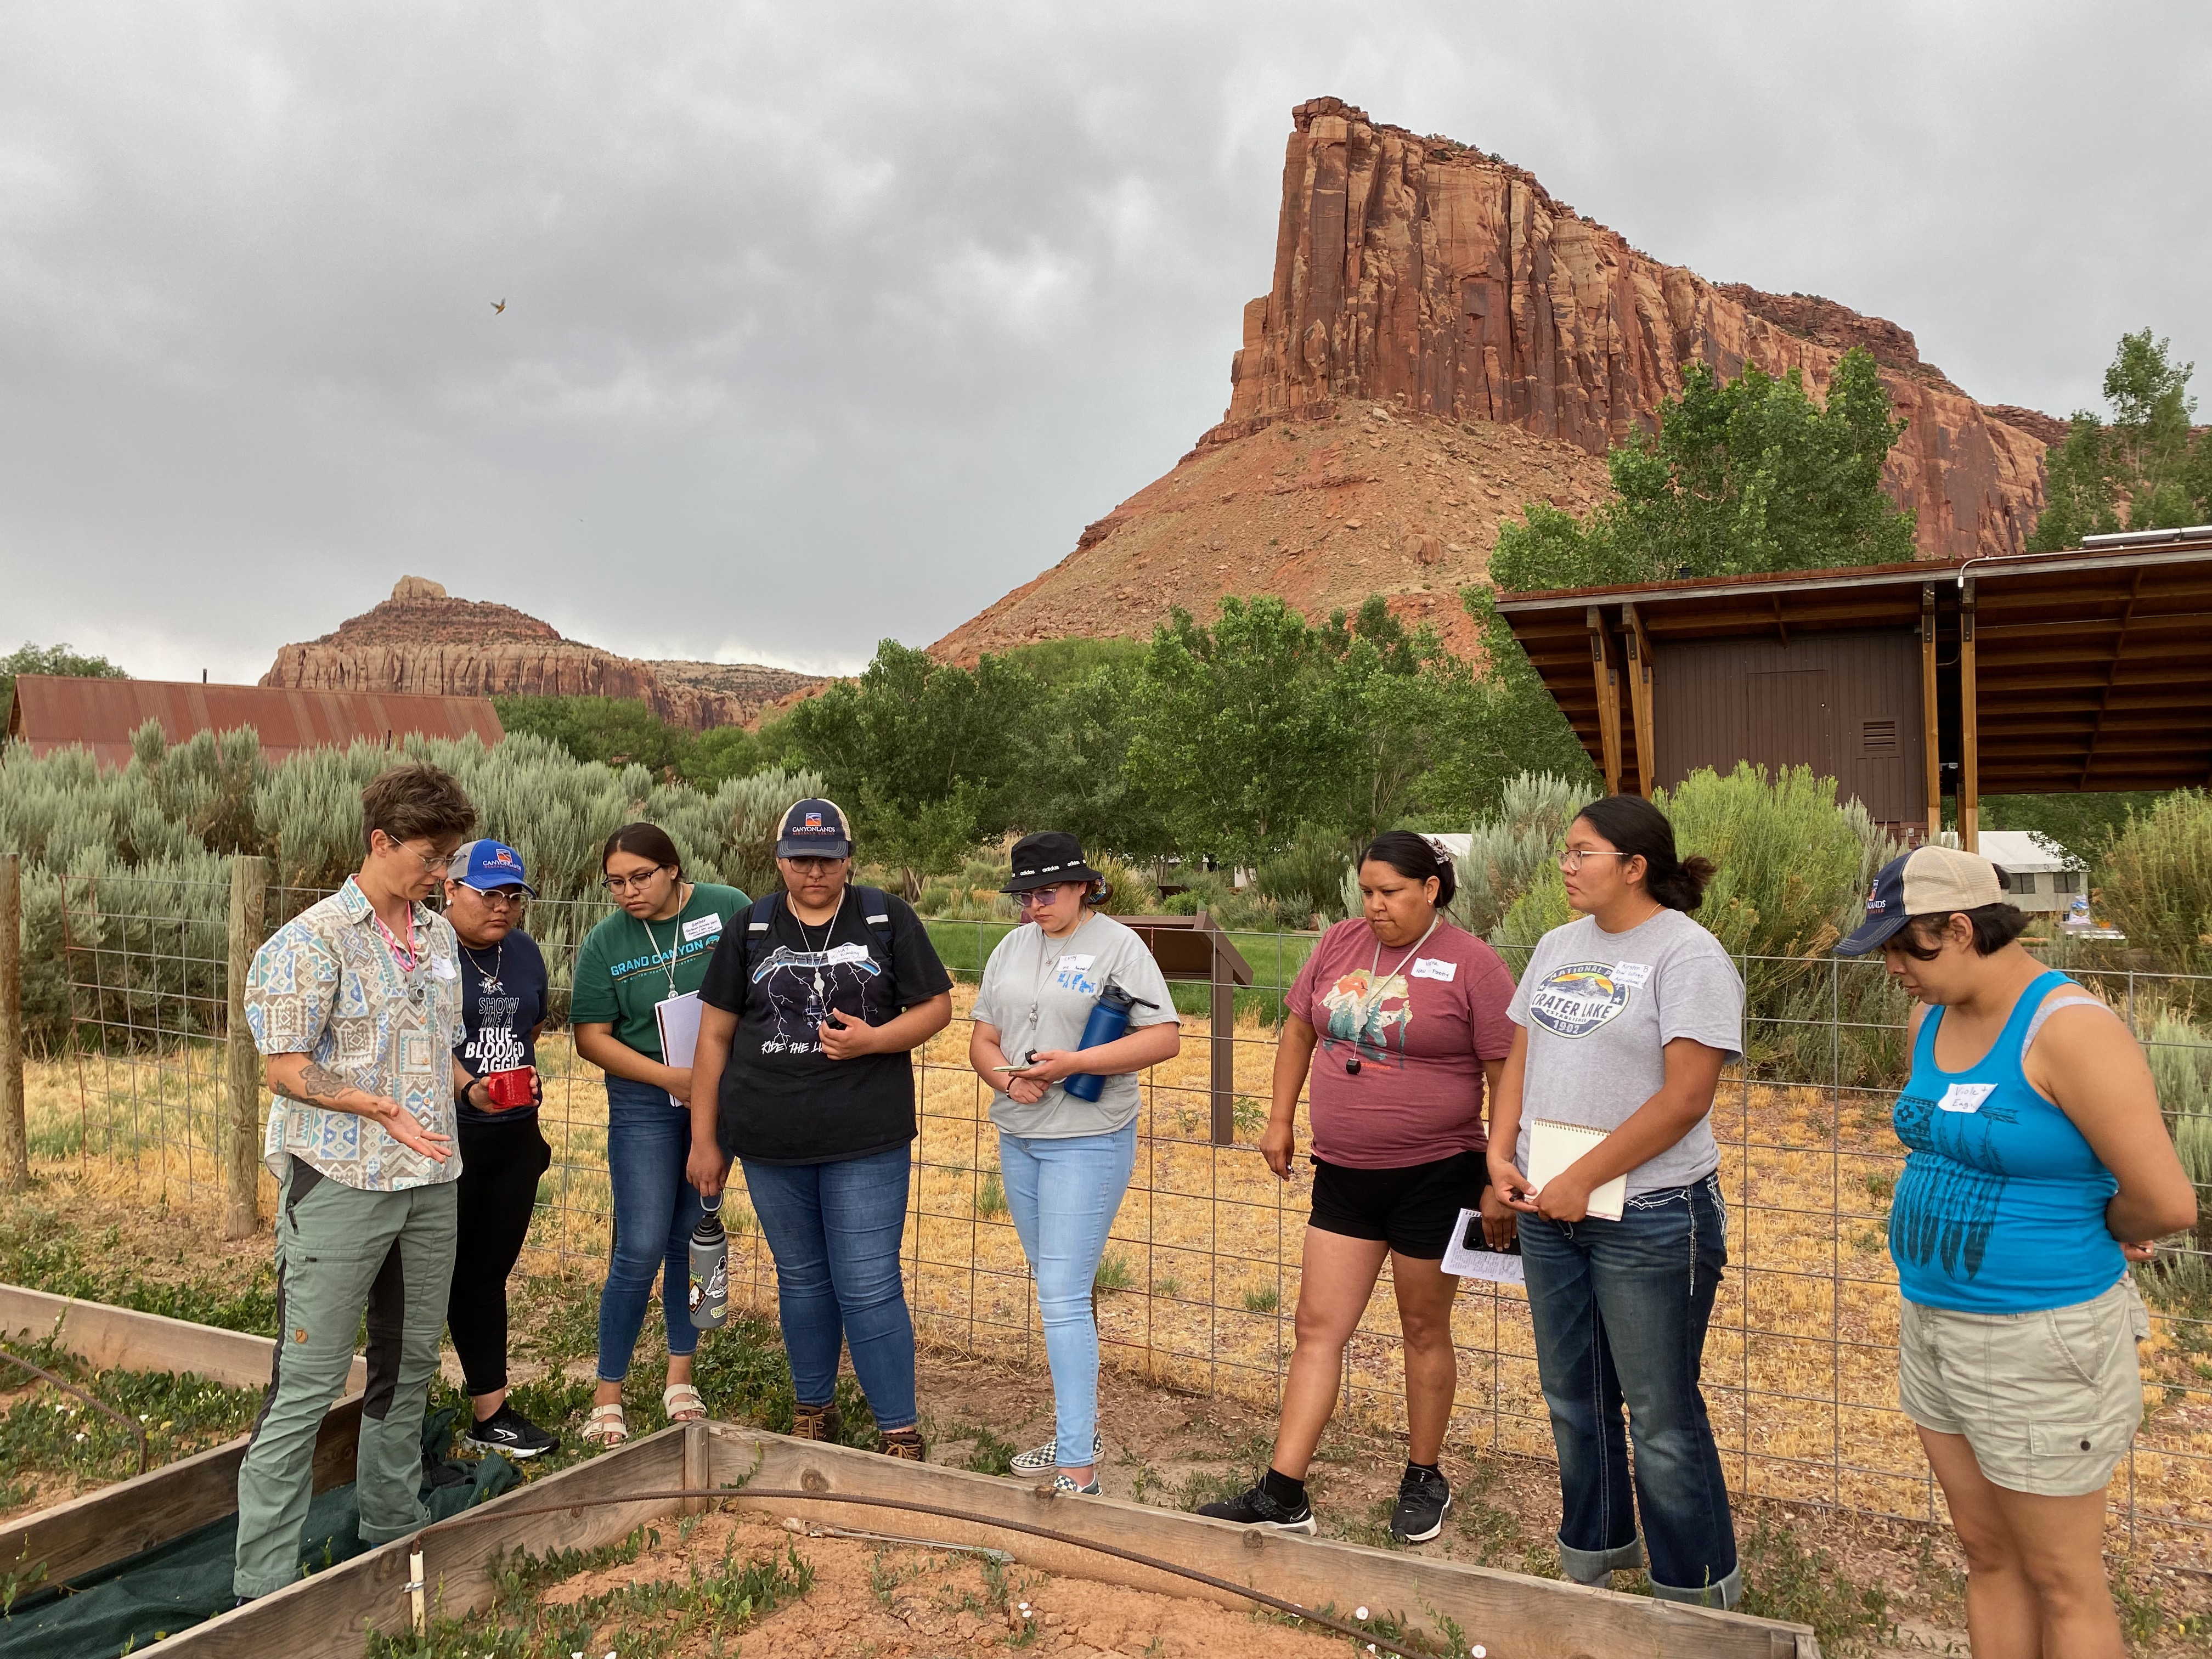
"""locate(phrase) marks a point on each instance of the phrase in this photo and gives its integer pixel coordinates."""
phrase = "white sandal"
(606, 1426)
(682, 1403)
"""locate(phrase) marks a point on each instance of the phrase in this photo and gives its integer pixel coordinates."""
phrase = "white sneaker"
(1038, 1459)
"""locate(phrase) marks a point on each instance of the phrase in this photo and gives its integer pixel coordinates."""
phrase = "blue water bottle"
(1109, 1018)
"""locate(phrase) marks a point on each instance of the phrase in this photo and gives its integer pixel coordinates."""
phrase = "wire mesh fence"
(1200, 1281)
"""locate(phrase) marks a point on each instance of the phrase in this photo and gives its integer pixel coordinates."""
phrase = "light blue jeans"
(1063, 1195)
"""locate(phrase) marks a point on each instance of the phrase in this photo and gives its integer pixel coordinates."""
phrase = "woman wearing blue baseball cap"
(2037, 1168)
(503, 988)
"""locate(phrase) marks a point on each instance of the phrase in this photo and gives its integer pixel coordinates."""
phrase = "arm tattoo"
(320, 1082)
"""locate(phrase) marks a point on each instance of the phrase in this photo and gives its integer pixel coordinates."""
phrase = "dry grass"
(1800, 1367)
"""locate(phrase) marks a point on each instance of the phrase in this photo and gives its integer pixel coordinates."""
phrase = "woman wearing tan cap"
(2038, 1167)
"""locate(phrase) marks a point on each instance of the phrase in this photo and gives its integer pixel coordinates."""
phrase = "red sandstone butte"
(1419, 272)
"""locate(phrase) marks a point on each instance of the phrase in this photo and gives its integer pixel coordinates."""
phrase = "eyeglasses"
(812, 865)
(636, 884)
(432, 863)
(1571, 859)
(498, 898)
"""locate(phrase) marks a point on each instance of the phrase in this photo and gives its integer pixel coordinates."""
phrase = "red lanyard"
(402, 954)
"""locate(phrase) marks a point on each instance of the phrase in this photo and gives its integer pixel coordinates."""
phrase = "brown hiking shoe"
(906, 1443)
(817, 1423)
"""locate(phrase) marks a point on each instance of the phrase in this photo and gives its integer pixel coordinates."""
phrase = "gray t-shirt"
(1600, 1009)
(1039, 993)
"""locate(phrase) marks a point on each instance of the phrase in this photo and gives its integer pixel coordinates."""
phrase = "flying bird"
(502, 305)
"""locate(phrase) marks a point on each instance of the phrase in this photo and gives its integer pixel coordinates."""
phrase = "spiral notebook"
(1554, 1146)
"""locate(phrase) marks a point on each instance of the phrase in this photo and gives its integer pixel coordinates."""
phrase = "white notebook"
(1554, 1146)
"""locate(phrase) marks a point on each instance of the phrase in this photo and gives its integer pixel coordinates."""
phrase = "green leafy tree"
(28, 659)
(1240, 736)
(1073, 772)
(924, 753)
(1744, 475)
(2143, 470)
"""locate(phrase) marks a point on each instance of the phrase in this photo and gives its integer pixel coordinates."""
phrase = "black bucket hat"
(1046, 859)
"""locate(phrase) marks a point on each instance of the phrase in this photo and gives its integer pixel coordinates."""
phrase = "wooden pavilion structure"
(2087, 669)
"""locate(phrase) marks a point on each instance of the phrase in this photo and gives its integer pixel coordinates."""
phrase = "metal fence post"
(15, 1144)
(249, 892)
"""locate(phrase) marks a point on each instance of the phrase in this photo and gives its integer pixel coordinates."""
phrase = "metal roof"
(2093, 666)
(52, 712)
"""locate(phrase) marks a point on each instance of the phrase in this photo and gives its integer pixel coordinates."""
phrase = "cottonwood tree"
(2143, 471)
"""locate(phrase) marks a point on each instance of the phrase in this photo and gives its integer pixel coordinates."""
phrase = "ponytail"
(1636, 827)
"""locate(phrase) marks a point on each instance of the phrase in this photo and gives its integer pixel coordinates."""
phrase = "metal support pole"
(14, 1140)
(249, 890)
(1970, 747)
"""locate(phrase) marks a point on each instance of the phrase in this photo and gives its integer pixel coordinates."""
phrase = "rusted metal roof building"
(51, 711)
(2089, 669)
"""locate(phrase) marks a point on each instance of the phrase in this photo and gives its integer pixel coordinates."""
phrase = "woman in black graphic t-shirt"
(813, 1005)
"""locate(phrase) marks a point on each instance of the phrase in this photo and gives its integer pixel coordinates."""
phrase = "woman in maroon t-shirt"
(1400, 1017)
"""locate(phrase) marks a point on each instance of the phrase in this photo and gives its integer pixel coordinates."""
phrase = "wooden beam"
(330, 1615)
(90, 1532)
(1931, 725)
(1530, 1618)
(106, 1337)
(1639, 693)
(1606, 678)
(1970, 736)
(15, 1132)
(242, 1138)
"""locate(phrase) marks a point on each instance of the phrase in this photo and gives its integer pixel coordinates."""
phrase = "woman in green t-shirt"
(655, 949)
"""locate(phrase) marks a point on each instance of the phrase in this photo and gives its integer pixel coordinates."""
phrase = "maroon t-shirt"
(1421, 1022)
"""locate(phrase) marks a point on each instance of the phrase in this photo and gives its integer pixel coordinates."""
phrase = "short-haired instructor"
(356, 1004)
(2037, 1167)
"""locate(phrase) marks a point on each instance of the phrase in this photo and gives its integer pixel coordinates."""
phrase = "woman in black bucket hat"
(1066, 1113)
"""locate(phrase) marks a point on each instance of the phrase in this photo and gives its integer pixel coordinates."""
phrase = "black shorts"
(1413, 1210)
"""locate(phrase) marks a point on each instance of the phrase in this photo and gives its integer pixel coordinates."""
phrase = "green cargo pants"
(342, 1252)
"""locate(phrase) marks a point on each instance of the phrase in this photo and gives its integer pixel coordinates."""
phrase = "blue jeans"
(1620, 1310)
(835, 1229)
(648, 1140)
(1063, 1195)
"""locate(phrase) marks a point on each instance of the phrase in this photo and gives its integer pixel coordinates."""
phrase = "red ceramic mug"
(508, 1090)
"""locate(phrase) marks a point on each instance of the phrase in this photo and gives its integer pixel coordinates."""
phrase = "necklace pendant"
(817, 983)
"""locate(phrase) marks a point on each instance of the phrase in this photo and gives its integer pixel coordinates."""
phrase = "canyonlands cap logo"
(814, 820)
(502, 856)
(1575, 999)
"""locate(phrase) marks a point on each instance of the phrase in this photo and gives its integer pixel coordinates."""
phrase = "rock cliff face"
(1442, 343)
(1423, 274)
(422, 640)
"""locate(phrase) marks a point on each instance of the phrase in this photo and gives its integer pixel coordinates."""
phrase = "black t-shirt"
(782, 1100)
(502, 1004)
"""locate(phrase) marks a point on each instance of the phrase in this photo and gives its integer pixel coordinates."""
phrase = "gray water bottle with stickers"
(710, 1270)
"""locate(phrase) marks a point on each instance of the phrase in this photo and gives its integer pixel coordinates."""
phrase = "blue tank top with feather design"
(2001, 1208)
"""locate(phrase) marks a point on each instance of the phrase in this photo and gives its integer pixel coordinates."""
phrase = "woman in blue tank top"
(2038, 1167)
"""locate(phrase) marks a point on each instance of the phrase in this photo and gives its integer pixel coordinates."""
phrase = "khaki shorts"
(2049, 1401)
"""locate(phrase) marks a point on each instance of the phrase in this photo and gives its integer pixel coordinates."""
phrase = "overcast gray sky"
(832, 321)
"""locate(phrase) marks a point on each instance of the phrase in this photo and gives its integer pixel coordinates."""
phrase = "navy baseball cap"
(485, 864)
(815, 828)
(1928, 881)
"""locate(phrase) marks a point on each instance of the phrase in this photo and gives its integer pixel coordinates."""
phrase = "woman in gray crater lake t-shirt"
(1626, 1015)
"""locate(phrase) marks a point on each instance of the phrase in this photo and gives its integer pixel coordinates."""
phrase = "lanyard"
(675, 944)
(1045, 966)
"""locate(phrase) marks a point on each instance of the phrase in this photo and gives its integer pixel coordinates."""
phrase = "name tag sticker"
(441, 968)
(704, 927)
(1966, 1096)
(1436, 968)
(1631, 973)
(1077, 963)
(849, 953)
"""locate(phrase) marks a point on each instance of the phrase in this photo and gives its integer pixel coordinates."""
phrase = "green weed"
(1113, 1275)
(1262, 1298)
(1784, 1579)
(991, 1197)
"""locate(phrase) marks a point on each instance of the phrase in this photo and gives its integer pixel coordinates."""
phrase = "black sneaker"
(1424, 1500)
(508, 1430)
(1258, 1507)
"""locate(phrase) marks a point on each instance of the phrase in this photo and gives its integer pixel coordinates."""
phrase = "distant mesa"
(424, 639)
(1444, 342)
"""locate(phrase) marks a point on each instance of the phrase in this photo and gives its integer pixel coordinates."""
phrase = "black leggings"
(499, 1166)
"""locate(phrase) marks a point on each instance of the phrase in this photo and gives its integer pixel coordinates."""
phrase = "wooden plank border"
(1512, 1614)
(109, 1338)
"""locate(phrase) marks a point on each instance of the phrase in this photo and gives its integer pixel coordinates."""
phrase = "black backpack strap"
(754, 925)
(876, 913)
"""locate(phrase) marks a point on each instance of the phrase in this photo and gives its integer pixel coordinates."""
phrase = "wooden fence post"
(249, 891)
(15, 1144)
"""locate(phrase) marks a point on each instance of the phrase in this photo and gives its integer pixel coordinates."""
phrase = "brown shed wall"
(1846, 704)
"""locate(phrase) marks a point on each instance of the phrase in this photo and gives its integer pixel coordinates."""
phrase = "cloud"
(831, 323)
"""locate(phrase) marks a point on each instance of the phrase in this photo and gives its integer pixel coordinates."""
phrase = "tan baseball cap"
(1926, 882)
